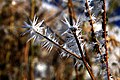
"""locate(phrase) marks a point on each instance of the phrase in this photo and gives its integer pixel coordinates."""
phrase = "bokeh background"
(24, 61)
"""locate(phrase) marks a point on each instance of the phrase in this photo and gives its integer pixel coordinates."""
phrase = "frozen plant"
(74, 45)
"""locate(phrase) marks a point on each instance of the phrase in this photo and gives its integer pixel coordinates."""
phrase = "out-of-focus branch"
(27, 46)
(26, 50)
(91, 21)
(55, 15)
(31, 67)
(105, 35)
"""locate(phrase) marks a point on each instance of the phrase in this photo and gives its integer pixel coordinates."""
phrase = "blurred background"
(20, 60)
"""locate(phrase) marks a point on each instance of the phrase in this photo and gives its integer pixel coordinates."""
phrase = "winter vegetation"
(59, 40)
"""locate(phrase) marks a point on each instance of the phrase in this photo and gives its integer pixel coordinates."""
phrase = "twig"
(104, 29)
(78, 44)
(32, 9)
(104, 36)
(87, 56)
(92, 29)
(83, 58)
(26, 50)
(71, 12)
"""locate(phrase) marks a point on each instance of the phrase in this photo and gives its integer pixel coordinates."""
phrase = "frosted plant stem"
(104, 29)
(72, 15)
(78, 44)
(104, 36)
(83, 59)
(62, 40)
(92, 29)
(75, 55)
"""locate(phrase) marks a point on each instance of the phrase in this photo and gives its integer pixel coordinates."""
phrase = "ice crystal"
(70, 42)
(36, 30)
